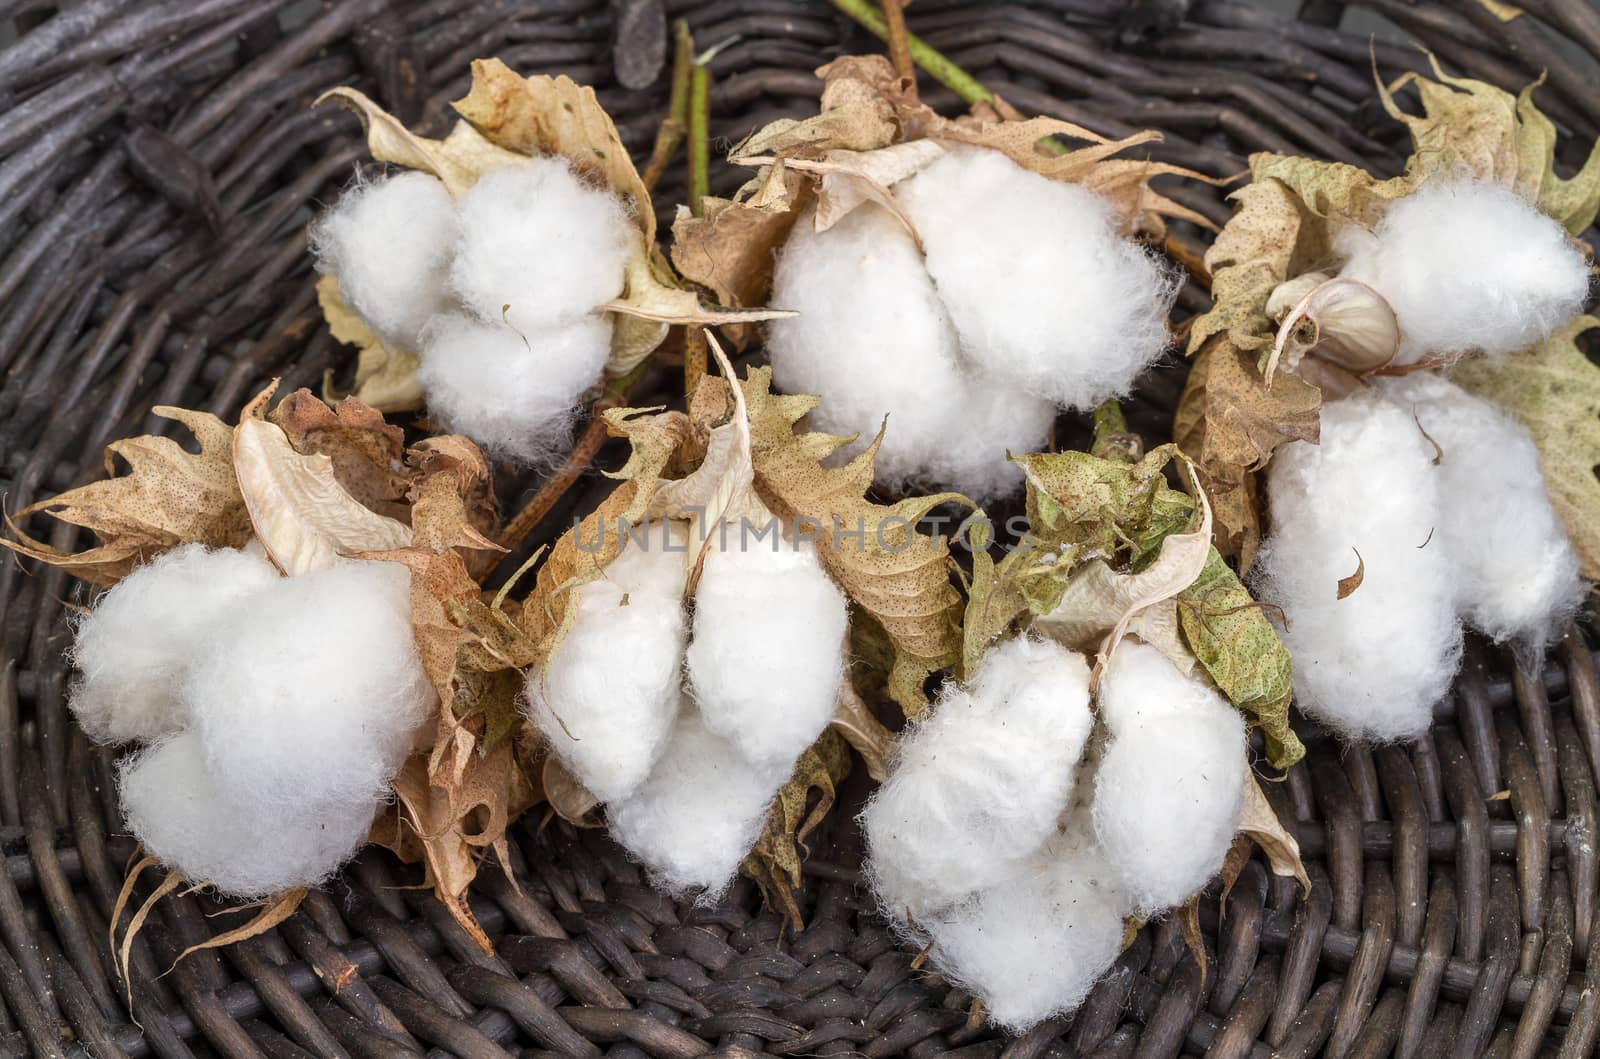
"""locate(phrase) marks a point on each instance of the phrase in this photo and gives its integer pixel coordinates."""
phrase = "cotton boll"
(246, 849)
(1467, 266)
(1170, 786)
(978, 786)
(697, 815)
(610, 692)
(541, 240)
(1044, 292)
(768, 650)
(1032, 946)
(135, 646)
(1516, 572)
(515, 394)
(389, 242)
(313, 693)
(873, 340)
(1372, 664)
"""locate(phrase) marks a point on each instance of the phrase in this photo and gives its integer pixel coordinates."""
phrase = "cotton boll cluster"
(756, 683)
(276, 709)
(1044, 292)
(978, 786)
(1169, 787)
(1469, 266)
(1374, 663)
(605, 711)
(1027, 298)
(687, 740)
(498, 292)
(873, 339)
(1516, 573)
(133, 649)
(389, 242)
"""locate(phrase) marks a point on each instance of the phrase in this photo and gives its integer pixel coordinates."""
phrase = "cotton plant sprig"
(1344, 306)
(1089, 768)
(265, 652)
(508, 271)
(993, 281)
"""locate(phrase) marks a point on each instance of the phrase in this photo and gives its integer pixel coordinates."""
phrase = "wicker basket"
(158, 163)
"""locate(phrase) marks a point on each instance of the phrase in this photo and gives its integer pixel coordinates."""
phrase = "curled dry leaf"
(169, 497)
(303, 517)
(367, 454)
(1553, 389)
(1260, 822)
(774, 862)
(854, 721)
(1348, 585)
(386, 378)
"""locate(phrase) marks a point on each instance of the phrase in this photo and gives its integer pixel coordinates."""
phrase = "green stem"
(1112, 439)
(670, 137)
(699, 138)
(937, 66)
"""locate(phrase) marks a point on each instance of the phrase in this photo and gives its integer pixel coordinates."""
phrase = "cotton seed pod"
(135, 647)
(1170, 785)
(976, 788)
(608, 695)
(768, 649)
(1341, 320)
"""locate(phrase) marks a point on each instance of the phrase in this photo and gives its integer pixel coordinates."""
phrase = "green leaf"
(1226, 630)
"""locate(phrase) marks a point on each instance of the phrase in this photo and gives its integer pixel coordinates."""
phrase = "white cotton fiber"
(873, 340)
(611, 691)
(697, 815)
(246, 849)
(389, 243)
(1468, 266)
(135, 646)
(977, 787)
(313, 693)
(1044, 292)
(768, 650)
(515, 394)
(1372, 664)
(1032, 946)
(1516, 573)
(1170, 785)
(541, 240)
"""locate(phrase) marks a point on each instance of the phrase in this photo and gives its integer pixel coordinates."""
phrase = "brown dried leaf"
(1348, 585)
(168, 497)
(366, 452)
(853, 719)
(730, 250)
(1258, 820)
(386, 378)
(301, 514)
(458, 160)
(775, 860)
(569, 798)
(273, 911)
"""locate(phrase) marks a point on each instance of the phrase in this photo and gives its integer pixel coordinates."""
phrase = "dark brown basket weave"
(158, 163)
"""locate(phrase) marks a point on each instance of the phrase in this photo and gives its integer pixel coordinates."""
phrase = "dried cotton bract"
(1169, 787)
(1044, 292)
(1516, 571)
(1374, 663)
(768, 651)
(610, 692)
(1469, 266)
(873, 339)
(134, 648)
(977, 788)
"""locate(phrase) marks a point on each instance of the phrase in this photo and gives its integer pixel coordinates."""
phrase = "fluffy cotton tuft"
(1043, 290)
(537, 238)
(611, 691)
(1033, 946)
(134, 648)
(977, 788)
(1170, 785)
(697, 815)
(1516, 573)
(246, 849)
(515, 394)
(313, 693)
(1467, 266)
(873, 340)
(389, 242)
(1374, 663)
(768, 650)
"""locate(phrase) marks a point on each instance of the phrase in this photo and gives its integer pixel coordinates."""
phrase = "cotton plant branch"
(674, 127)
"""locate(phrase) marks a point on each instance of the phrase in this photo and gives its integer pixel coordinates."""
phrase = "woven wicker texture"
(158, 164)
